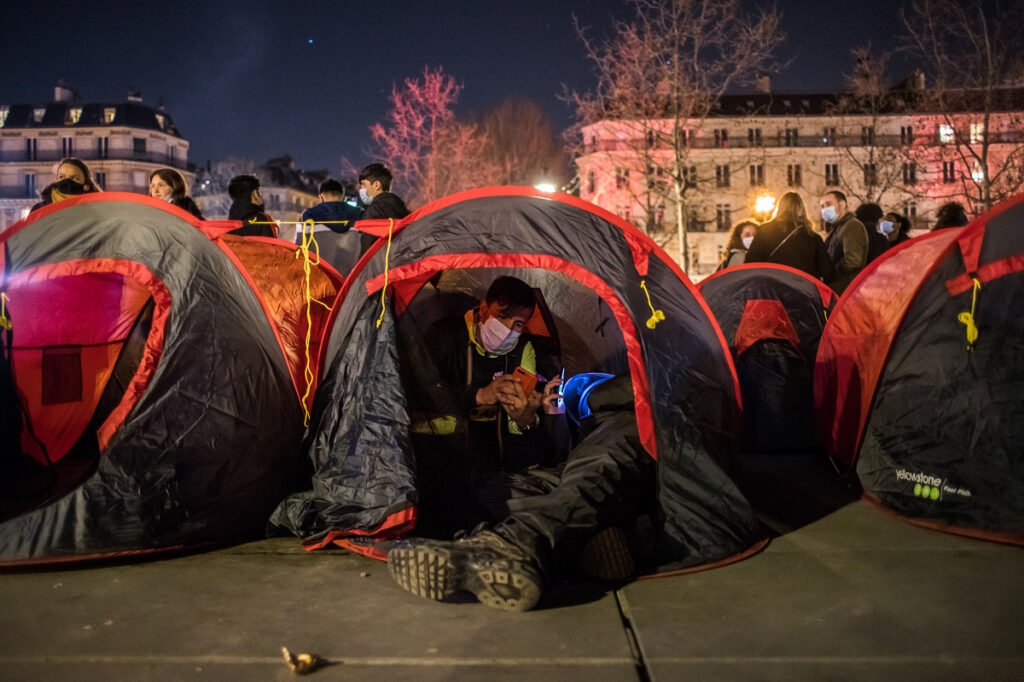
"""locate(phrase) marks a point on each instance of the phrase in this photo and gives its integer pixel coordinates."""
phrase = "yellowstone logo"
(926, 486)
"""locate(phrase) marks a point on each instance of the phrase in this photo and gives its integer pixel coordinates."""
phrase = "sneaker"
(607, 556)
(498, 573)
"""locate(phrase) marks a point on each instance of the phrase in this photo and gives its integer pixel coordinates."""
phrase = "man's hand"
(520, 407)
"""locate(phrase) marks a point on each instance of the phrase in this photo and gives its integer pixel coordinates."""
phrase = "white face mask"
(829, 214)
(747, 241)
(496, 337)
(885, 227)
(364, 197)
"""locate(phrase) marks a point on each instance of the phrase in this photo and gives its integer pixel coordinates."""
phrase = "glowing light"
(764, 204)
(310, 41)
(545, 187)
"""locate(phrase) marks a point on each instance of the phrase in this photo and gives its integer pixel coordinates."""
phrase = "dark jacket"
(331, 213)
(247, 212)
(776, 242)
(847, 246)
(337, 243)
(384, 205)
(877, 242)
(186, 204)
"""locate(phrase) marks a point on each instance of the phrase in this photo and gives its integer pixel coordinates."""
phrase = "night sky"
(244, 80)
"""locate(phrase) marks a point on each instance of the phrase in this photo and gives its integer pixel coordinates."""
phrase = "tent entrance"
(78, 341)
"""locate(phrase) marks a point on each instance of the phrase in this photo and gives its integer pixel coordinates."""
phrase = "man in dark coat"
(247, 206)
(375, 193)
(847, 241)
(333, 218)
(870, 214)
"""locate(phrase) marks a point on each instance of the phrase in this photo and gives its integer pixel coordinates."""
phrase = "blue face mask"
(364, 197)
(829, 215)
(885, 227)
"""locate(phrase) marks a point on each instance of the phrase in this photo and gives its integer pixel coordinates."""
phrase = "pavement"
(845, 591)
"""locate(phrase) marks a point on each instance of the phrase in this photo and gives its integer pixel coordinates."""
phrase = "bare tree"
(522, 143)
(659, 77)
(974, 53)
(431, 153)
(211, 183)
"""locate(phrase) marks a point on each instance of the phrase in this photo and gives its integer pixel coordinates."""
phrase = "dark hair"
(735, 241)
(330, 185)
(242, 186)
(376, 172)
(950, 214)
(511, 293)
(174, 179)
(838, 195)
(80, 165)
(869, 213)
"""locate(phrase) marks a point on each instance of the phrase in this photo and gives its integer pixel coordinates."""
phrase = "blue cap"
(576, 391)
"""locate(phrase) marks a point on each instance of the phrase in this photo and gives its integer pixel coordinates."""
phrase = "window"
(910, 173)
(792, 136)
(659, 217)
(949, 171)
(689, 176)
(721, 137)
(832, 174)
(756, 174)
(722, 176)
(139, 145)
(649, 139)
(946, 134)
(102, 147)
(101, 179)
(161, 121)
(867, 136)
(910, 210)
(683, 137)
(870, 175)
(906, 134)
(108, 115)
(591, 182)
(723, 217)
(793, 175)
(627, 213)
(977, 133)
(38, 113)
(977, 172)
(139, 179)
(30, 184)
(74, 115)
(692, 220)
(829, 138)
(30, 148)
(67, 146)
(4, 111)
(754, 137)
(172, 154)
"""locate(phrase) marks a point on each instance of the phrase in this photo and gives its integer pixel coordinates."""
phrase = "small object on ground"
(364, 574)
(303, 664)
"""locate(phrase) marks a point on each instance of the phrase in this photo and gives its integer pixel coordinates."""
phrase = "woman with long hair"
(71, 178)
(789, 239)
(167, 184)
(740, 238)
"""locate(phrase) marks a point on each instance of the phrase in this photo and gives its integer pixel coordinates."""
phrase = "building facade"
(121, 142)
(753, 148)
(287, 191)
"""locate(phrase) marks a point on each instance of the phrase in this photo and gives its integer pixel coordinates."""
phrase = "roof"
(91, 114)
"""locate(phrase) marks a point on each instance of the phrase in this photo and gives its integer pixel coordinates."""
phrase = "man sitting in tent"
(607, 482)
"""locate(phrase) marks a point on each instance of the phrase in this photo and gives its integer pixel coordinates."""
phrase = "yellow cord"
(253, 221)
(384, 289)
(656, 315)
(968, 318)
(5, 322)
(307, 268)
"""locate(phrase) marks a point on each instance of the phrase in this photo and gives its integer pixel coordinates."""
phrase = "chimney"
(62, 92)
(134, 95)
(763, 84)
(917, 80)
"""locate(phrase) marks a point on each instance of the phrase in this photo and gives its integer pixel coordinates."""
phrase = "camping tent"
(151, 392)
(772, 317)
(617, 304)
(920, 373)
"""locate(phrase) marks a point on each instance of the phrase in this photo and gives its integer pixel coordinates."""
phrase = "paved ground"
(845, 592)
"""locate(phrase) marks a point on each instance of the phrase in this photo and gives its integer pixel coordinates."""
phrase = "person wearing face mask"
(740, 238)
(72, 178)
(847, 240)
(376, 195)
(247, 206)
(788, 239)
(167, 184)
(895, 228)
(870, 214)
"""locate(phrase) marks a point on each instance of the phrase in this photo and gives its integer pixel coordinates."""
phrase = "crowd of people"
(852, 238)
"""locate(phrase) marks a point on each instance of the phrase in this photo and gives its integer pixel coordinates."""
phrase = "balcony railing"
(22, 156)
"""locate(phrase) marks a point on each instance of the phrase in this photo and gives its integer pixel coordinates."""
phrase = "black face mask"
(68, 186)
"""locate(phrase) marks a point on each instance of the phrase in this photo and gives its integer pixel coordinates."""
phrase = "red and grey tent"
(602, 282)
(150, 383)
(772, 317)
(920, 377)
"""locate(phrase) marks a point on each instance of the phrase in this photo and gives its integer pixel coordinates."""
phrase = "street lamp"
(545, 187)
(764, 205)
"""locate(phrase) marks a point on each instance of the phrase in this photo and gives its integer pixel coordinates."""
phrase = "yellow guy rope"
(968, 318)
(384, 289)
(5, 322)
(307, 267)
(656, 315)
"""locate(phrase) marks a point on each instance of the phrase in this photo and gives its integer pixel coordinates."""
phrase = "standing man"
(375, 193)
(338, 244)
(247, 206)
(847, 241)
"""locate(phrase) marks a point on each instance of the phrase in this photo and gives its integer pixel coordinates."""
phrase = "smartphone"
(527, 379)
(560, 403)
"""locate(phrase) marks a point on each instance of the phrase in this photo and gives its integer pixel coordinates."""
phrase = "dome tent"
(919, 377)
(772, 317)
(601, 279)
(149, 397)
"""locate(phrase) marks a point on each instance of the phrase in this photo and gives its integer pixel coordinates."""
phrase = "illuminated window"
(977, 133)
(108, 115)
(946, 133)
(38, 113)
(74, 115)
(4, 111)
(161, 121)
(977, 172)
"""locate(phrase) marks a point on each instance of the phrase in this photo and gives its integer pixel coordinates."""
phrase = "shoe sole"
(430, 572)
